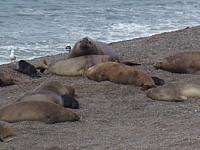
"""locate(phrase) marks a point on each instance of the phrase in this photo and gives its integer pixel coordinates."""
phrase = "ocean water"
(35, 28)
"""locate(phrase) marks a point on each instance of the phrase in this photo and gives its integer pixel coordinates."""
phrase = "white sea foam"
(34, 29)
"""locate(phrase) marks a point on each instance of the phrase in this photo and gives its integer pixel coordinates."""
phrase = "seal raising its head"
(87, 46)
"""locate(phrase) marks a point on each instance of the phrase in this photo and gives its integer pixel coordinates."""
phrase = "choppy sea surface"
(35, 28)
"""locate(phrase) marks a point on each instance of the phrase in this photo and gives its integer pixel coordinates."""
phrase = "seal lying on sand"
(6, 79)
(7, 132)
(37, 111)
(119, 73)
(27, 68)
(76, 66)
(87, 46)
(53, 92)
(185, 62)
(57, 87)
(174, 92)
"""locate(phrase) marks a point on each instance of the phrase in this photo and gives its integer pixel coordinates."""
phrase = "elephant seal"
(37, 111)
(53, 92)
(174, 92)
(27, 68)
(87, 46)
(65, 100)
(56, 87)
(7, 131)
(6, 79)
(76, 66)
(185, 62)
(119, 73)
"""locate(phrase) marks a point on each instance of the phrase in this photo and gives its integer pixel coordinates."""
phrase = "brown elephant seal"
(185, 62)
(56, 87)
(119, 73)
(6, 79)
(37, 111)
(174, 92)
(87, 46)
(7, 131)
(54, 92)
(76, 66)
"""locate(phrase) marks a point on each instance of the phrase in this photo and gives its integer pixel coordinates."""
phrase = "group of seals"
(184, 62)
(46, 104)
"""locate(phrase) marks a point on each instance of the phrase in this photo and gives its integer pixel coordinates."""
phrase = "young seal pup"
(37, 111)
(119, 73)
(174, 92)
(27, 68)
(87, 46)
(185, 62)
(7, 132)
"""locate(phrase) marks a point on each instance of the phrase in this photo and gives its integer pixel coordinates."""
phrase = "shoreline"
(111, 43)
(115, 116)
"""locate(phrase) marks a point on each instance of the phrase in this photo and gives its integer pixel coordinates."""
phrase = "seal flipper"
(7, 139)
(158, 81)
(180, 98)
(130, 63)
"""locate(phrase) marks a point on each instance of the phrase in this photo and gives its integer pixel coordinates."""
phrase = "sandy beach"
(115, 116)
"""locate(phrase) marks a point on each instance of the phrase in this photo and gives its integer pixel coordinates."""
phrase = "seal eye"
(90, 42)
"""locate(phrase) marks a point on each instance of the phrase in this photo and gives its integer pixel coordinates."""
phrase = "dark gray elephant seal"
(54, 92)
(76, 66)
(37, 111)
(87, 46)
(185, 62)
(174, 92)
(7, 131)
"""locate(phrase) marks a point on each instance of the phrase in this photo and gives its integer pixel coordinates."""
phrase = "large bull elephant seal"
(37, 111)
(185, 62)
(87, 46)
